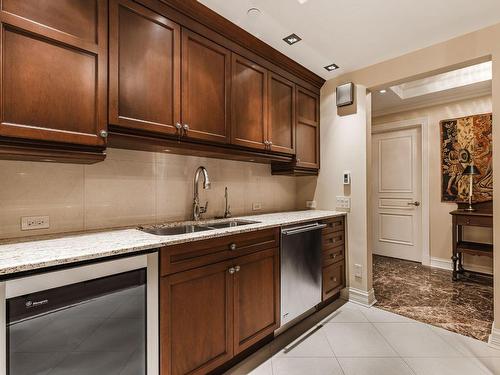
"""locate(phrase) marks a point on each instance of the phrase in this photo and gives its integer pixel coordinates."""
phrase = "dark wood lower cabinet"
(196, 333)
(211, 313)
(334, 279)
(256, 298)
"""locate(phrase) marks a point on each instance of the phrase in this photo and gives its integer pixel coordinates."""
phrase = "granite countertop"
(28, 255)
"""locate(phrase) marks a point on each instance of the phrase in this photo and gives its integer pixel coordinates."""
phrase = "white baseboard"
(494, 338)
(447, 264)
(359, 296)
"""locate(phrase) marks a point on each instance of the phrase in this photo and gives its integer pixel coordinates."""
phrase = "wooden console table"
(461, 218)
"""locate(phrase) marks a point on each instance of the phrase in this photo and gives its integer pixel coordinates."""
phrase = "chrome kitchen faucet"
(197, 209)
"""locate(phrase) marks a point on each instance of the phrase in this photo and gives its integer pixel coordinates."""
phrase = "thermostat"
(347, 178)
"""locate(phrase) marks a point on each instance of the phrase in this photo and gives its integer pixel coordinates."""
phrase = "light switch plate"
(35, 222)
(343, 203)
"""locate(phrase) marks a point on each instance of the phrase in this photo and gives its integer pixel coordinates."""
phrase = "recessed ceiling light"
(292, 39)
(302, 1)
(383, 91)
(253, 12)
(331, 67)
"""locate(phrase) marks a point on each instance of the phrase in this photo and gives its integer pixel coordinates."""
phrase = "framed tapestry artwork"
(466, 141)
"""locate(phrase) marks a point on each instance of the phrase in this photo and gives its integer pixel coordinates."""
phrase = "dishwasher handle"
(306, 228)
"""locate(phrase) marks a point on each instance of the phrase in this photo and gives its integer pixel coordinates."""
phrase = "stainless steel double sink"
(193, 228)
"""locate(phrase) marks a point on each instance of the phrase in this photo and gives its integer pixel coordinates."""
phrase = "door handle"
(416, 203)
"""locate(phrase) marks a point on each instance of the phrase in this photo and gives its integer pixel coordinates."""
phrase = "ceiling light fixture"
(253, 12)
(383, 91)
(332, 67)
(292, 39)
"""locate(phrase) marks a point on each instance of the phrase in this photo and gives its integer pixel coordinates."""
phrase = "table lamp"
(471, 170)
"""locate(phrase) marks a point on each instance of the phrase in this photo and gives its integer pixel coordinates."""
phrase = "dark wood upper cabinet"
(281, 131)
(196, 315)
(54, 71)
(249, 104)
(206, 75)
(307, 152)
(144, 69)
(256, 298)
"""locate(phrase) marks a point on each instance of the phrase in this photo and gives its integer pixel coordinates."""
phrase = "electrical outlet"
(34, 222)
(256, 206)
(343, 202)
(311, 204)
(358, 270)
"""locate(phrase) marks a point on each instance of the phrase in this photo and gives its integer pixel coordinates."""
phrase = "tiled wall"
(131, 188)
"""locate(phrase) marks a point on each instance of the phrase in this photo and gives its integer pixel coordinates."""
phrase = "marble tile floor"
(355, 340)
(429, 295)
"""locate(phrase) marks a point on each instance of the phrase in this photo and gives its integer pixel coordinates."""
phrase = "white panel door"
(396, 194)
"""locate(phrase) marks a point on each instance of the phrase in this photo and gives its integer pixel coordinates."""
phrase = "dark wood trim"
(292, 169)
(19, 149)
(147, 142)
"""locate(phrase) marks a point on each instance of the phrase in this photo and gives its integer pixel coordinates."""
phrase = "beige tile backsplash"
(131, 188)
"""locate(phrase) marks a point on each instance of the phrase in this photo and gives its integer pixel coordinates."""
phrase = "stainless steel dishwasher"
(300, 269)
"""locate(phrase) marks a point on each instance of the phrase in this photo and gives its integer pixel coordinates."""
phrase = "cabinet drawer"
(333, 279)
(334, 225)
(480, 221)
(333, 255)
(190, 255)
(333, 239)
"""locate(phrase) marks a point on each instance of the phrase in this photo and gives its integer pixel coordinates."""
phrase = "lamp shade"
(471, 170)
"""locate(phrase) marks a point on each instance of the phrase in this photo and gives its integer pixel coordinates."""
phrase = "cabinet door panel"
(256, 298)
(54, 71)
(205, 87)
(73, 17)
(196, 310)
(281, 114)
(249, 103)
(307, 152)
(144, 69)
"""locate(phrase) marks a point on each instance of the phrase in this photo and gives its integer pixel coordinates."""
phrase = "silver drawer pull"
(232, 247)
(232, 270)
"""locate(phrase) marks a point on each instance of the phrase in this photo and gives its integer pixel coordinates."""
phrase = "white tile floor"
(355, 340)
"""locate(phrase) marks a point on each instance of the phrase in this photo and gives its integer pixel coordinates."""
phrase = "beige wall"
(131, 188)
(440, 219)
(478, 46)
(345, 142)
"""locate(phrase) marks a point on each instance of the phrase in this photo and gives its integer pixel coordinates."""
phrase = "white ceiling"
(356, 33)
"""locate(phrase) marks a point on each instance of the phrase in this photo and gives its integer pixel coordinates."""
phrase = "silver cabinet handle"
(103, 134)
(270, 143)
(237, 268)
(305, 228)
(232, 247)
(266, 143)
(232, 270)
(416, 203)
(178, 125)
(185, 127)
